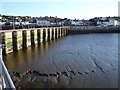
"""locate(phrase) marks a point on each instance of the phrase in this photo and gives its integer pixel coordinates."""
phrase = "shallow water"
(85, 60)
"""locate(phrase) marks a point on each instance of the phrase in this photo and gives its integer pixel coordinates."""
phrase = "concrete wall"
(93, 29)
(14, 40)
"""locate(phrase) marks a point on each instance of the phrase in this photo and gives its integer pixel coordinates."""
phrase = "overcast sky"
(79, 9)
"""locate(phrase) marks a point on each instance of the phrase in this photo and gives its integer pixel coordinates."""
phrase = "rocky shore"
(31, 78)
(93, 29)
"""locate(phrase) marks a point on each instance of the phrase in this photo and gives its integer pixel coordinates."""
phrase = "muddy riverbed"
(75, 61)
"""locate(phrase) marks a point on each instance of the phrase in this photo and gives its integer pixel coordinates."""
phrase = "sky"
(72, 9)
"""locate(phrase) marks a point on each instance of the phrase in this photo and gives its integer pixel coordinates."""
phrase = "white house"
(103, 18)
(77, 22)
(61, 23)
(73, 22)
(113, 22)
(109, 22)
(41, 22)
(103, 23)
(25, 23)
(16, 23)
(118, 22)
(52, 24)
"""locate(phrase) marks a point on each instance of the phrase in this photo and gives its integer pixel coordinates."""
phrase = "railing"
(5, 79)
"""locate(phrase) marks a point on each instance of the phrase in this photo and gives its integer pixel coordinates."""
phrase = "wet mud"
(75, 61)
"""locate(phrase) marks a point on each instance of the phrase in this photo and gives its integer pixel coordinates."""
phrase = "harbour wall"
(13, 40)
(93, 29)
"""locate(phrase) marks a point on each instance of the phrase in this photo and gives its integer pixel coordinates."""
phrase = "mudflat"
(75, 61)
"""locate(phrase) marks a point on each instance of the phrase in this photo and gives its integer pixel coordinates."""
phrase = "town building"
(77, 22)
(42, 22)
(103, 23)
(118, 22)
(108, 22)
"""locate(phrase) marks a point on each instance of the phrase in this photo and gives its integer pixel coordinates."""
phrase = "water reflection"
(26, 56)
(64, 52)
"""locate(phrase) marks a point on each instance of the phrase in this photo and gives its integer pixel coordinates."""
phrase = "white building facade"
(79, 22)
(40, 22)
(110, 22)
(103, 23)
(113, 22)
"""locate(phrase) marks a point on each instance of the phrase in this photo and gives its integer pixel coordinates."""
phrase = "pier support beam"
(28, 38)
(9, 42)
(48, 32)
(41, 35)
(24, 39)
(67, 30)
(4, 43)
(32, 37)
(35, 37)
(55, 33)
(62, 32)
(14, 41)
(59, 33)
(38, 37)
(19, 39)
(44, 35)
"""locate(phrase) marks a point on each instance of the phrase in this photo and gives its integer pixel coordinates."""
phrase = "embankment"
(93, 29)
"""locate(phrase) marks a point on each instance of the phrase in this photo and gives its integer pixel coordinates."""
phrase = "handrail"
(7, 81)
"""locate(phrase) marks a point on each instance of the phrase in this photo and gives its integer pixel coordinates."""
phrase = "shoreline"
(92, 29)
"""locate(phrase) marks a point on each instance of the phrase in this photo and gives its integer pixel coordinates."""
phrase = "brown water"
(86, 60)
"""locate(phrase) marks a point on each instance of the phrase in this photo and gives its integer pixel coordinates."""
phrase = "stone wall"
(13, 40)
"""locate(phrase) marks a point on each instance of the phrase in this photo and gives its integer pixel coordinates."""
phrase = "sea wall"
(93, 29)
(13, 40)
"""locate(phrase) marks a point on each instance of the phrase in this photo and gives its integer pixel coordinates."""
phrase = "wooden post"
(14, 41)
(4, 51)
(64, 31)
(48, 34)
(19, 39)
(38, 36)
(61, 31)
(46, 31)
(28, 38)
(35, 36)
(41, 35)
(52, 33)
(55, 33)
(44, 35)
(24, 39)
(67, 31)
(32, 37)
(58, 32)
